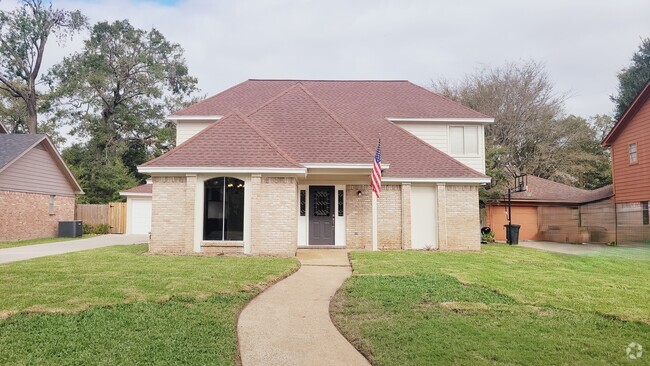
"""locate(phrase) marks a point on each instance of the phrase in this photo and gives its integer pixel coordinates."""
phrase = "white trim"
(193, 118)
(375, 240)
(342, 166)
(433, 120)
(438, 180)
(230, 170)
(132, 194)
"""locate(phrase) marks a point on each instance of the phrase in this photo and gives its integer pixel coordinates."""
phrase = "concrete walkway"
(289, 323)
(42, 250)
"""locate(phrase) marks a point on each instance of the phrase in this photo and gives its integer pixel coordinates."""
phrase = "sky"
(583, 44)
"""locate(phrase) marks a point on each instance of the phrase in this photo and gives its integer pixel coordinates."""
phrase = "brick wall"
(172, 218)
(26, 215)
(406, 215)
(274, 216)
(461, 223)
(389, 217)
(358, 218)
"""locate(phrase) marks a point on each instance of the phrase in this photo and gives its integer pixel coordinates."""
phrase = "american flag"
(375, 178)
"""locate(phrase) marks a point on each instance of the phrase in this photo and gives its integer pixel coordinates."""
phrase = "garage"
(138, 209)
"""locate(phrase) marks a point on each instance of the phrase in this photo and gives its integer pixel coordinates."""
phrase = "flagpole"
(374, 222)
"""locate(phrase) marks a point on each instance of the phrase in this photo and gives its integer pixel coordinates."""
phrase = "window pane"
(213, 211)
(340, 202)
(303, 197)
(456, 140)
(632, 153)
(234, 214)
(471, 140)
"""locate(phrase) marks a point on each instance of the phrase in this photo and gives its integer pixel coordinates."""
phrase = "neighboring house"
(37, 190)
(269, 166)
(629, 143)
(3, 129)
(552, 211)
(138, 209)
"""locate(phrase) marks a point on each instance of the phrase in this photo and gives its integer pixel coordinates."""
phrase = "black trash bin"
(512, 233)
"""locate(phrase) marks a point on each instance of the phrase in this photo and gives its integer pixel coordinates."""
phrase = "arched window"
(223, 214)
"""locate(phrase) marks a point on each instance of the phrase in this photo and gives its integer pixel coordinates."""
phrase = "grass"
(20, 243)
(503, 306)
(117, 305)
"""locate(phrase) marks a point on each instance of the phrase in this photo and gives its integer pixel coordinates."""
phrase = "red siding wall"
(632, 181)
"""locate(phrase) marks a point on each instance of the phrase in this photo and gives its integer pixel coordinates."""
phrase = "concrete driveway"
(42, 250)
(289, 323)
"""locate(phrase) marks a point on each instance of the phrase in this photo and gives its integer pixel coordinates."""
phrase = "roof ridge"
(267, 139)
(449, 99)
(208, 98)
(437, 150)
(337, 80)
(336, 119)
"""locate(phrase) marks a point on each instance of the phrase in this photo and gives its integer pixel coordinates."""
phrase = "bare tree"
(24, 32)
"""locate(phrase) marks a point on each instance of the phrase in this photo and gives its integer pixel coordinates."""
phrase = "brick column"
(441, 199)
(406, 215)
(189, 204)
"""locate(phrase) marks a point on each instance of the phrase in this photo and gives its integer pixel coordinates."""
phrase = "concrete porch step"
(320, 247)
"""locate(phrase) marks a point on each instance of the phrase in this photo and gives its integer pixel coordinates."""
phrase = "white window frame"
(635, 152)
(464, 154)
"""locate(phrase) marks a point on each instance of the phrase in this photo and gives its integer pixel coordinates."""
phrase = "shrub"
(96, 229)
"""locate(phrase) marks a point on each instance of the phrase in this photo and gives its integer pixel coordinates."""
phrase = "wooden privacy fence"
(112, 214)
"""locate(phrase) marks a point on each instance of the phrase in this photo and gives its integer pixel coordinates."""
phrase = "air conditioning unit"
(70, 229)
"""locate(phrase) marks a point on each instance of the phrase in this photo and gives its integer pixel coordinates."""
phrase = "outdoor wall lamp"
(358, 193)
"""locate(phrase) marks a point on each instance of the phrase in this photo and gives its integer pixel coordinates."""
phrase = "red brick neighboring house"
(269, 166)
(629, 143)
(553, 211)
(36, 188)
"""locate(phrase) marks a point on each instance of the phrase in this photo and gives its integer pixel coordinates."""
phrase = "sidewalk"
(289, 323)
(42, 250)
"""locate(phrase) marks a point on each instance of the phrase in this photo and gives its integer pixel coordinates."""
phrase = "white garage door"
(140, 216)
(424, 226)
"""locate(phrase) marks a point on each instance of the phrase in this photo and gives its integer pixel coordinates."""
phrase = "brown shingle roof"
(233, 141)
(327, 122)
(143, 189)
(544, 190)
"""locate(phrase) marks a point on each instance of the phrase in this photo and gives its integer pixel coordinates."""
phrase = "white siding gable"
(187, 129)
(464, 142)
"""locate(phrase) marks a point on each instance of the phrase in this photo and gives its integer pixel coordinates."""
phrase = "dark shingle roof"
(540, 189)
(144, 188)
(316, 121)
(12, 145)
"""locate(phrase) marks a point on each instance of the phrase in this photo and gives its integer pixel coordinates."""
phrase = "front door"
(321, 215)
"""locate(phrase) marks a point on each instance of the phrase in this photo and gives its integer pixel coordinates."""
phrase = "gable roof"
(630, 112)
(13, 146)
(3, 129)
(231, 142)
(544, 190)
(319, 121)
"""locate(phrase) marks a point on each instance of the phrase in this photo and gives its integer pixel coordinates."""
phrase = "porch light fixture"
(358, 193)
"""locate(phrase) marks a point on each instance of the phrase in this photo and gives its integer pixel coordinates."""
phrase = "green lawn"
(20, 243)
(502, 306)
(118, 305)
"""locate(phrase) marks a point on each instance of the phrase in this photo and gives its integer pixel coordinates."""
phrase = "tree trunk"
(32, 115)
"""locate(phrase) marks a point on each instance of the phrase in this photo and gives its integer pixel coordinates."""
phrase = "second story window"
(633, 157)
(463, 140)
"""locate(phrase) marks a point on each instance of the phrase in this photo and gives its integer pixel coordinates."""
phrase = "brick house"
(37, 190)
(269, 166)
(629, 143)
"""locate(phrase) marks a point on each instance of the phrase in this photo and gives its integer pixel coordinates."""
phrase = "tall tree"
(530, 134)
(24, 33)
(632, 79)
(116, 93)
